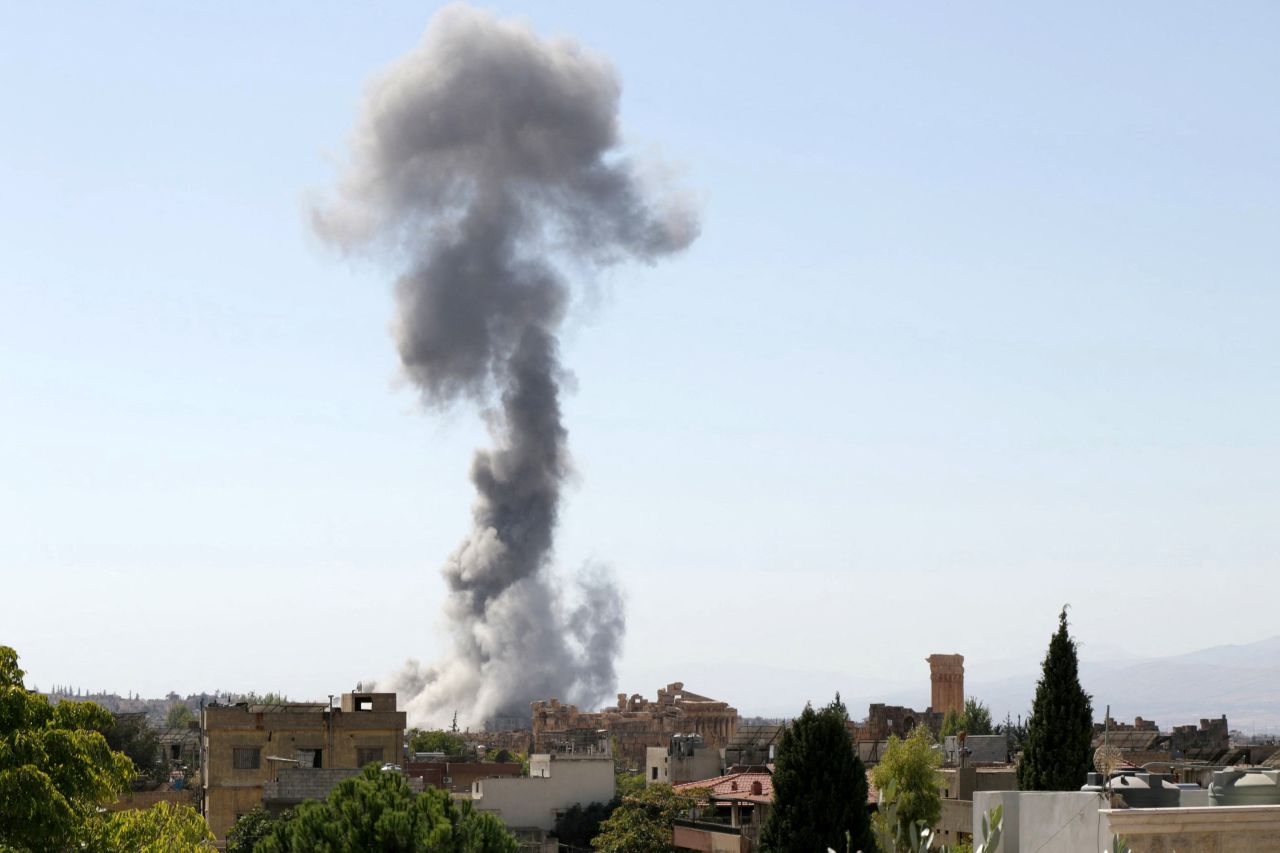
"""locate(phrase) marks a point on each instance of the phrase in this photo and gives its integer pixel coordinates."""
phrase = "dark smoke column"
(482, 158)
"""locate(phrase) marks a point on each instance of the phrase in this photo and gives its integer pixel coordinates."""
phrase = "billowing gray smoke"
(481, 158)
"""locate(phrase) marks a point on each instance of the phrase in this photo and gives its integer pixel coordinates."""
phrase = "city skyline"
(979, 324)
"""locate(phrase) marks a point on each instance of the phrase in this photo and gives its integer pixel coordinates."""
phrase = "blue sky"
(982, 320)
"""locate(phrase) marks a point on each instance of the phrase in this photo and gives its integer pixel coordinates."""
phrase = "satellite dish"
(1106, 759)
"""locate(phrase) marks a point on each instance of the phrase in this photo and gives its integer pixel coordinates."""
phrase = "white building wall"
(555, 783)
(655, 766)
(1046, 821)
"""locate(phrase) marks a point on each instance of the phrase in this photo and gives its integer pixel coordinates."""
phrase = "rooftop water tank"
(1245, 787)
(1140, 790)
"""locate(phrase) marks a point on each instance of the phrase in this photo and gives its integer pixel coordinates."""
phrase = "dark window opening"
(655, 773)
(310, 758)
(175, 751)
(246, 758)
(364, 703)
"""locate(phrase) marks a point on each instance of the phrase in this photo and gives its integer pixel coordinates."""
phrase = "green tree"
(1015, 732)
(909, 766)
(577, 826)
(1056, 754)
(178, 716)
(55, 765)
(952, 723)
(437, 741)
(251, 827)
(376, 810)
(163, 828)
(819, 787)
(130, 734)
(642, 821)
(977, 718)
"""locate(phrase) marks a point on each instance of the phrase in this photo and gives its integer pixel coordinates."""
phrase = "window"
(310, 758)
(363, 703)
(175, 751)
(368, 755)
(655, 773)
(246, 758)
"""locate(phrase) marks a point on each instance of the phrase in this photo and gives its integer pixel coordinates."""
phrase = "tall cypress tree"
(819, 788)
(1056, 754)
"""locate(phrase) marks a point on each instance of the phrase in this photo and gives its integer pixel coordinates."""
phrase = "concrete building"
(735, 811)
(753, 744)
(636, 723)
(685, 759)
(457, 777)
(556, 782)
(246, 747)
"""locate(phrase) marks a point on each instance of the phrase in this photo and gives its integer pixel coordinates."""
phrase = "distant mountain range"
(1242, 682)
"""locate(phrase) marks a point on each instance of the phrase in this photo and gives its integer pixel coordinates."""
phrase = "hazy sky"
(983, 320)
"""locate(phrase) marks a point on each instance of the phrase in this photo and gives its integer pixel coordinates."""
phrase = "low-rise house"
(556, 783)
(736, 807)
(684, 759)
(247, 749)
(458, 777)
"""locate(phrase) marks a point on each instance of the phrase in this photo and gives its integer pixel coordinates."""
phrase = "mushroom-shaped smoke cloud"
(480, 158)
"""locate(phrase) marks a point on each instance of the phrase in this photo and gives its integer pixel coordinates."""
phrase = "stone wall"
(636, 723)
(278, 735)
(1211, 829)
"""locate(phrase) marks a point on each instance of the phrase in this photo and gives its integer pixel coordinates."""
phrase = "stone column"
(946, 673)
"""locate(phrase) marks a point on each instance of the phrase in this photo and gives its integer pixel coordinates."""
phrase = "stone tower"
(947, 675)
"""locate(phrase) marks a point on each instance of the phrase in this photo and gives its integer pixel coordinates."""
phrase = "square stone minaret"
(947, 674)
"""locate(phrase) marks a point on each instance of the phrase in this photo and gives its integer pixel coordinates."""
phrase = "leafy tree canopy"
(1056, 754)
(55, 765)
(178, 716)
(975, 719)
(575, 829)
(437, 741)
(130, 734)
(252, 827)
(377, 811)
(163, 828)
(909, 766)
(642, 821)
(819, 787)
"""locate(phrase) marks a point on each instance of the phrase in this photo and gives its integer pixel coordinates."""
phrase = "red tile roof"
(735, 786)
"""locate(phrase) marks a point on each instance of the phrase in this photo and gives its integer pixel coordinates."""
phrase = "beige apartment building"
(246, 747)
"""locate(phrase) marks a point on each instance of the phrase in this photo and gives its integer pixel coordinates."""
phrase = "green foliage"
(376, 810)
(178, 716)
(1056, 754)
(55, 765)
(163, 828)
(642, 821)
(130, 734)
(895, 834)
(626, 783)
(268, 698)
(819, 787)
(437, 741)
(975, 719)
(576, 827)
(251, 828)
(910, 768)
(1016, 732)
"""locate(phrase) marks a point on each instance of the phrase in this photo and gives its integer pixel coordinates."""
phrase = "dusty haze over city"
(980, 319)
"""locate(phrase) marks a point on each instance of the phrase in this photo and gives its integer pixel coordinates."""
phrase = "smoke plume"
(483, 159)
